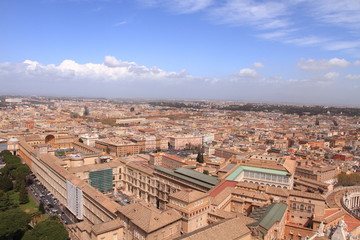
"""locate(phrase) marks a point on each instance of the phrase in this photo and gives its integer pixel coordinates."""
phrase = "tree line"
(15, 223)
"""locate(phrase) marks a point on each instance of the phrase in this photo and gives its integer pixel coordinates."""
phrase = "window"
(301, 207)
(309, 208)
(294, 205)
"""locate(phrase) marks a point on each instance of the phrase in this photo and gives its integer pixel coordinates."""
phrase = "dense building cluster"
(133, 170)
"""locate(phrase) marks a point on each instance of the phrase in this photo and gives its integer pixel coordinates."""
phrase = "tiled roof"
(147, 217)
(228, 229)
(188, 195)
(215, 191)
(306, 195)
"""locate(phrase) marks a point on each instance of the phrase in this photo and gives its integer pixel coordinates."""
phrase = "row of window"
(302, 207)
(266, 176)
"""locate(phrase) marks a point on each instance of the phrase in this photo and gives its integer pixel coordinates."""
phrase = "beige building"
(193, 207)
(230, 229)
(119, 149)
(143, 221)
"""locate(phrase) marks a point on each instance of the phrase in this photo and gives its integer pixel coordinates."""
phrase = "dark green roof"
(198, 175)
(191, 176)
(273, 214)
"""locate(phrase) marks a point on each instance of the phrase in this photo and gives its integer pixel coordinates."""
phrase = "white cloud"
(340, 45)
(281, 20)
(302, 41)
(331, 75)
(258, 65)
(312, 64)
(262, 14)
(179, 6)
(120, 23)
(344, 13)
(111, 70)
(246, 73)
(352, 77)
(357, 63)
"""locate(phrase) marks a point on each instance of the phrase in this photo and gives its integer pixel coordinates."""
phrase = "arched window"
(294, 205)
(301, 207)
(309, 208)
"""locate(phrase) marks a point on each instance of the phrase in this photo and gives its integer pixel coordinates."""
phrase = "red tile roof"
(219, 188)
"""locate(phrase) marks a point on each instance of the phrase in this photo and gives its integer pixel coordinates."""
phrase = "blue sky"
(288, 51)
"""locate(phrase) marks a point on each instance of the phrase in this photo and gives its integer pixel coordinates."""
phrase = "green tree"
(200, 157)
(5, 183)
(47, 230)
(206, 172)
(348, 179)
(80, 140)
(86, 111)
(5, 153)
(23, 195)
(4, 201)
(13, 223)
(22, 171)
(41, 207)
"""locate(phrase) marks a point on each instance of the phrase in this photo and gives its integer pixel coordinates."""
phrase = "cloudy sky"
(287, 51)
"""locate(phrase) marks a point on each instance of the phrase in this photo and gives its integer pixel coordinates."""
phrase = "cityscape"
(135, 169)
(179, 119)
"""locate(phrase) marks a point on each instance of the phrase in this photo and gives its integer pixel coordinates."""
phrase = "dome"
(13, 140)
(75, 157)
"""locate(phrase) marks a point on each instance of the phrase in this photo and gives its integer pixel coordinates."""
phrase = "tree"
(23, 195)
(5, 153)
(206, 172)
(80, 140)
(4, 201)
(348, 179)
(86, 111)
(132, 109)
(41, 207)
(200, 157)
(6, 183)
(22, 171)
(13, 223)
(45, 230)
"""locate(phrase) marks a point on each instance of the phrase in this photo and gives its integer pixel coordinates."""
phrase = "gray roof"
(189, 176)
(197, 175)
(270, 216)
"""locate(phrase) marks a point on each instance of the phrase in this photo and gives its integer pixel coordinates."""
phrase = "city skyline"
(275, 51)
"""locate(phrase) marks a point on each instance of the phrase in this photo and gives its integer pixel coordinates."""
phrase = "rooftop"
(232, 176)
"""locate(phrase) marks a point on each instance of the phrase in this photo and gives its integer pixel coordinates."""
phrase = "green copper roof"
(273, 214)
(237, 171)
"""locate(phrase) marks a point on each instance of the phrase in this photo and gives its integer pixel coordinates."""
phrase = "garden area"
(20, 216)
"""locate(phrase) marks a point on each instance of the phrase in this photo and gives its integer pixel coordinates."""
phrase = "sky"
(274, 51)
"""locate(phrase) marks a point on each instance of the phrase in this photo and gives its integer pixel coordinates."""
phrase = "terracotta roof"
(219, 188)
(277, 191)
(223, 214)
(107, 226)
(147, 217)
(188, 195)
(351, 222)
(34, 137)
(228, 229)
(306, 195)
(333, 214)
